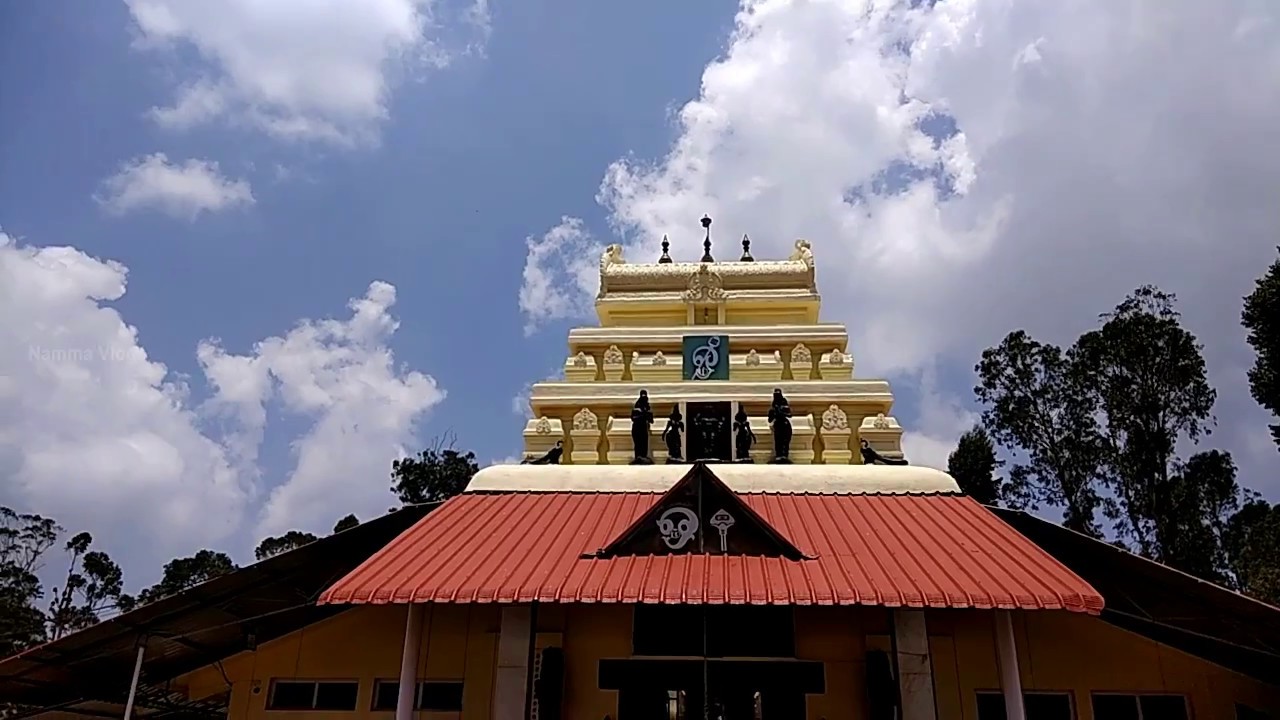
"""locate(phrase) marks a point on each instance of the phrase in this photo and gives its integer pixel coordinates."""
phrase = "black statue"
(671, 434)
(551, 458)
(871, 457)
(641, 419)
(743, 438)
(780, 424)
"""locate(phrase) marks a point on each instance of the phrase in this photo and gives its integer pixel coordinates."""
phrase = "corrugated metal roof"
(942, 551)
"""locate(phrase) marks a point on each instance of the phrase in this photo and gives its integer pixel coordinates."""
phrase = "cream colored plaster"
(741, 337)
(788, 479)
(849, 392)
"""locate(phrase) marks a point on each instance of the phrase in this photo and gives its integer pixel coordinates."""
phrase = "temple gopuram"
(713, 520)
(717, 349)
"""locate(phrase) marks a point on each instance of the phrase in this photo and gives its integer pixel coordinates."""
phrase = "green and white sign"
(706, 357)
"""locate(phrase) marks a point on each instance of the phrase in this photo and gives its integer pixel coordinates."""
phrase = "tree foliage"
(973, 464)
(1253, 549)
(346, 523)
(1034, 402)
(1146, 378)
(94, 583)
(436, 474)
(1099, 426)
(1261, 317)
(182, 573)
(92, 586)
(272, 546)
(24, 539)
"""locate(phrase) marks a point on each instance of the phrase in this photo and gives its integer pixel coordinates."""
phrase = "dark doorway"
(735, 689)
(710, 431)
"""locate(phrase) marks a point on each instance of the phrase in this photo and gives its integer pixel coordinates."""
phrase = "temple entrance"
(690, 663)
(735, 689)
(710, 435)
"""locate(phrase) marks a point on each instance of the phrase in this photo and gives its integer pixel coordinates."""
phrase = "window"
(434, 695)
(313, 695)
(1038, 705)
(1107, 706)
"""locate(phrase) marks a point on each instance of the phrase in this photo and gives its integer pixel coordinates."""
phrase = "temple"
(714, 347)
(713, 520)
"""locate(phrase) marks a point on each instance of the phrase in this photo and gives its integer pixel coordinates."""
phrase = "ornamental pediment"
(700, 515)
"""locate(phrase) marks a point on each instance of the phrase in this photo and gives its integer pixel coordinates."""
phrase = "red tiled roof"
(943, 551)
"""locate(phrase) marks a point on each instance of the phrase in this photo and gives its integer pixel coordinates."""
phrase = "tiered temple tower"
(711, 339)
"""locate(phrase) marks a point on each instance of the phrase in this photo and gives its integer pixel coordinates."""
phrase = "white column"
(510, 686)
(409, 661)
(1010, 680)
(915, 668)
(133, 685)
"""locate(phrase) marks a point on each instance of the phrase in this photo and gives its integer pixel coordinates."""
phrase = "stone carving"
(612, 255)
(585, 420)
(705, 285)
(836, 358)
(800, 355)
(881, 422)
(871, 457)
(580, 360)
(659, 360)
(780, 425)
(671, 435)
(677, 526)
(722, 521)
(833, 418)
(743, 438)
(705, 359)
(542, 426)
(613, 356)
(803, 253)
(551, 458)
(753, 358)
(641, 419)
(774, 272)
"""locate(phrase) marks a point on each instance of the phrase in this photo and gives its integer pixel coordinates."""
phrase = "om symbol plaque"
(706, 357)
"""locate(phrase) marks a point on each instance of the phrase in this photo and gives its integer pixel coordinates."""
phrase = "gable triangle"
(700, 515)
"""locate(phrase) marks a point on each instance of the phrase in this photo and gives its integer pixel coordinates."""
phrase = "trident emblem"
(722, 521)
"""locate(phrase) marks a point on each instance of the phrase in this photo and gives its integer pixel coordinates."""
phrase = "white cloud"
(1102, 144)
(300, 69)
(940, 422)
(92, 431)
(342, 377)
(520, 401)
(560, 273)
(102, 438)
(184, 191)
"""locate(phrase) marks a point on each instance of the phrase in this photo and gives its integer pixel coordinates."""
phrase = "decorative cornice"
(741, 337)
(619, 276)
(869, 395)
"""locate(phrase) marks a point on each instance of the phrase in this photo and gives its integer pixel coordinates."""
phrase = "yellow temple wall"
(1057, 651)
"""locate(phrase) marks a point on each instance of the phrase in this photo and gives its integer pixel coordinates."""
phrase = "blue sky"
(482, 188)
(473, 159)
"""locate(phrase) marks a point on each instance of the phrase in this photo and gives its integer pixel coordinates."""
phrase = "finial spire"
(666, 245)
(746, 250)
(706, 243)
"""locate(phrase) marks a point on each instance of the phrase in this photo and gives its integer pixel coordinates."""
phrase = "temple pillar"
(511, 681)
(915, 667)
(1007, 654)
(409, 661)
